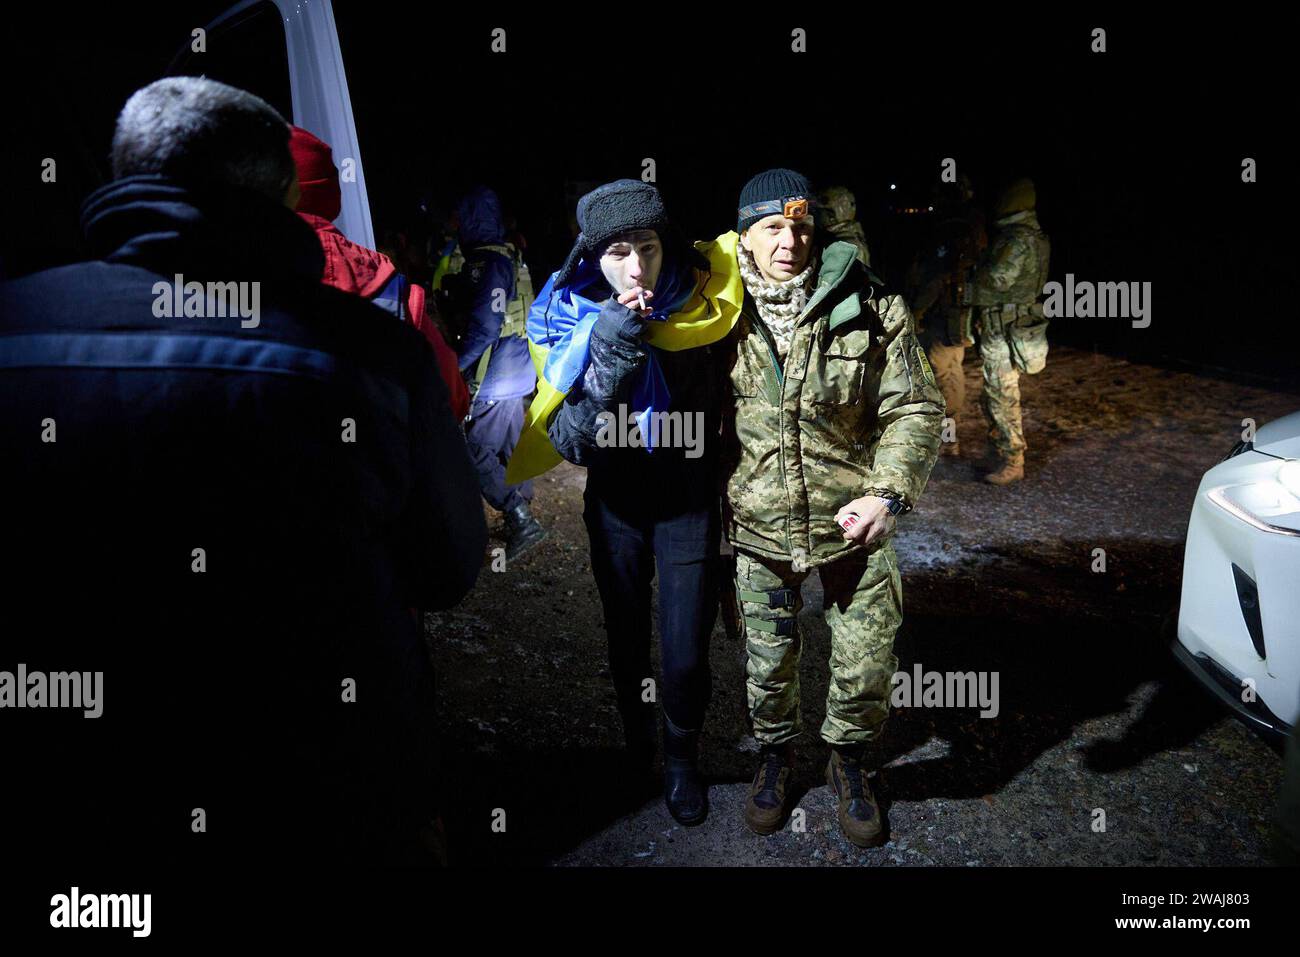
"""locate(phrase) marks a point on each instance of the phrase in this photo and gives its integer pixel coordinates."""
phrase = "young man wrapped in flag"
(627, 336)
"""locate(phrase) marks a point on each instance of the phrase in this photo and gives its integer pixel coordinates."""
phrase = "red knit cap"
(317, 177)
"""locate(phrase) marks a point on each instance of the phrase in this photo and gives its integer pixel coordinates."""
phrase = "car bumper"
(1237, 627)
(1226, 687)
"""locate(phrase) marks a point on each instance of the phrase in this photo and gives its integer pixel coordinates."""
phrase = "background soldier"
(840, 211)
(491, 293)
(937, 290)
(1013, 336)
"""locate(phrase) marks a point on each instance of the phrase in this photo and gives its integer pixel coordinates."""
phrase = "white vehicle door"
(287, 52)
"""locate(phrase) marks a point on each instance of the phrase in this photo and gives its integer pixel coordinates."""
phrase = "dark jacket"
(510, 372)
(940, 274)
(695, 380)
(313, 459)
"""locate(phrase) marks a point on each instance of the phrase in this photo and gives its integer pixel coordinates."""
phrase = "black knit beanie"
(771, 189)
(608, 211)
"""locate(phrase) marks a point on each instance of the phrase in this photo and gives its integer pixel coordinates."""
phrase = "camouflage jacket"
(854, 407)
(1014, 268)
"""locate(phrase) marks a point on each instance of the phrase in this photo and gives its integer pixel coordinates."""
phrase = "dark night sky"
(1136, 152)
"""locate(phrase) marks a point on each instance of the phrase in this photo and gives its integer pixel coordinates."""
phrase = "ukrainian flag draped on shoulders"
(691, 310)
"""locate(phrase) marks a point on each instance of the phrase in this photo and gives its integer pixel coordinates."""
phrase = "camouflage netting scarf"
(779, 303)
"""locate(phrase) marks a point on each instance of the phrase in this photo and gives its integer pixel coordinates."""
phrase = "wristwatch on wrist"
(894, 506)
(893, 502)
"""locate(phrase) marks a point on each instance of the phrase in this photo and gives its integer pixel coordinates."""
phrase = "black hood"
(481, 222)
(155, 222)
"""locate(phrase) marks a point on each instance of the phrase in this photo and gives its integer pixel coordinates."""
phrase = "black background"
(1136, 152)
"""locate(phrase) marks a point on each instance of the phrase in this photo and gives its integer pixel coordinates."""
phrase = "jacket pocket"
(754, 378)
(1027, 339)
(840, 369)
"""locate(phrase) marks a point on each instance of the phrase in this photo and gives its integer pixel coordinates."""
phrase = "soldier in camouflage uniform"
(833, 432)
(840, 218)
(936, 291)
(1006, 289)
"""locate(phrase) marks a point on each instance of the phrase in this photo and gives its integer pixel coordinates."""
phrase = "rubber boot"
(684, 789)
(523, 532)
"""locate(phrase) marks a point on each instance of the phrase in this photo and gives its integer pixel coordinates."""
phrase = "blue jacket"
(510, 372)
(305, 456)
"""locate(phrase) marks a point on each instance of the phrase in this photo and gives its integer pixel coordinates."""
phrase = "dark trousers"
(631, 535)
(491, 435)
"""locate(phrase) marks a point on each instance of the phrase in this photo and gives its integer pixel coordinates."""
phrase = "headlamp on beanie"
(796, 207)
(775, 192)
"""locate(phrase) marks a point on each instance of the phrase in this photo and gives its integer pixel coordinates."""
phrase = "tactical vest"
(521, 297)
(1027, 333)
(964, 246)
(515, 323)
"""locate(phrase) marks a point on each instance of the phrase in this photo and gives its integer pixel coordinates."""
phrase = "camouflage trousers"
(1000, 398)
(863, 607)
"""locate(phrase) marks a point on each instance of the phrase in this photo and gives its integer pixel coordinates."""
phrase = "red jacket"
(354, 268)
(365, 272)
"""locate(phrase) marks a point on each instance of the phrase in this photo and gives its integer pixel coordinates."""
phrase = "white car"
(1238, 627)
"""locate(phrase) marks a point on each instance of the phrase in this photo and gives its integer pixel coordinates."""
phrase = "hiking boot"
(684, 789)
(522, 531)
(1011, 471)
(765, 809)
(858, 813)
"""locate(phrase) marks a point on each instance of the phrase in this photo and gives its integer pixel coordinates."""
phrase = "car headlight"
(1271, 504)
(1289, 476)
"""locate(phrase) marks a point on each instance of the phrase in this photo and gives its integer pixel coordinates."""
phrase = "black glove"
(616, 350)
(618, 325)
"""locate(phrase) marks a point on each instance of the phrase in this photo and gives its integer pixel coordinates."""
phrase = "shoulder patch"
(924, 362)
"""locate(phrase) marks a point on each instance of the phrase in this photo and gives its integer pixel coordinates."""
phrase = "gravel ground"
(1093, 716)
